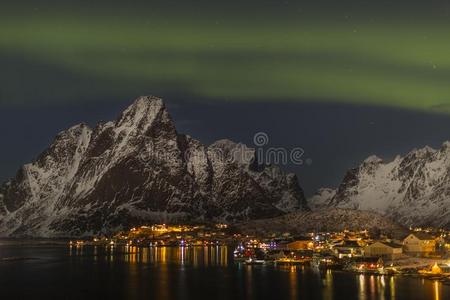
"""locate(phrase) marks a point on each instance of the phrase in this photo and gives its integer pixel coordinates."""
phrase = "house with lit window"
(347, 249)
(366, 264)
(419, 243)
(301, 243)
(443, 244)
(384, 249)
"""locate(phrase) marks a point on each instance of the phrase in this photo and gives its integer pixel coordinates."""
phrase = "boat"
(291, 261)
(325, 262)
(252, 261)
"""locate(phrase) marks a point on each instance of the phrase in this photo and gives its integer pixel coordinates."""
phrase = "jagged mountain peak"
(373, 159)
(142, 106)
(230, 151)
(145, 111)
(226, 143)
(79, 131)
(136, 170)
(421, 152)
(413, 189)
(445, 146)
(76, 129)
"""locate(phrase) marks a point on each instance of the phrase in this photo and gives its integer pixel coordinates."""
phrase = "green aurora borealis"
(400, 58)
(341, 79)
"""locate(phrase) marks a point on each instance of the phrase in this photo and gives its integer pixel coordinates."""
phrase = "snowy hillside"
(326, 220)
(139, 169)
(414, 189)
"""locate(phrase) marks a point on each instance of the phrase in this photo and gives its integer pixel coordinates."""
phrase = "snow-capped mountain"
(413, 190)
(140, 169)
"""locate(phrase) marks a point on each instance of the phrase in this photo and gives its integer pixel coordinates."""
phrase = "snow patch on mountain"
(139, 169)
(414, 189)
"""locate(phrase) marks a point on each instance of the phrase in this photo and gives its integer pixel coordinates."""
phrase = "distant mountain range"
(139, 169)
(413, 190)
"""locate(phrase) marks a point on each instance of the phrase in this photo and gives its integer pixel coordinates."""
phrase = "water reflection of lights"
(328, 285)
(205, 256)
(249, 282)
(436, 291)
(362, 293)
(217, 256)
(183, 249)
(111, 254)
(372, 289)
(381, 287)
(163, 255)
(392, 285)
(145, 255)
(367, 286)
(293, 283)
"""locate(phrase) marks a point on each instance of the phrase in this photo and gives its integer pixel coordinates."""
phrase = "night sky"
(341, 79)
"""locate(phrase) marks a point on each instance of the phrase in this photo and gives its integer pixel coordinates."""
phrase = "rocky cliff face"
(140, 169)
(414, 189)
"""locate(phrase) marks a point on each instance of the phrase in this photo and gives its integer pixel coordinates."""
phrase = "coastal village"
(421, 252)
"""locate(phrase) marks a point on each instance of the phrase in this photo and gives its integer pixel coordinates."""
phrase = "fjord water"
(37, 270)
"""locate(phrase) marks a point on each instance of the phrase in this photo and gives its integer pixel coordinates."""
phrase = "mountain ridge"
(138, 169)
(413, 189)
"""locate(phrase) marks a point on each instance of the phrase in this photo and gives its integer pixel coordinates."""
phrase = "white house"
(419, 243)
(387, 250)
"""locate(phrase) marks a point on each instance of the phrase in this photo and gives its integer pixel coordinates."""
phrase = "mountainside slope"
(414, 190)
(326, 220)
(140, 169)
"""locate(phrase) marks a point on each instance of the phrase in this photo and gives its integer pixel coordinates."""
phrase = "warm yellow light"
(436, 290)
(436, 269)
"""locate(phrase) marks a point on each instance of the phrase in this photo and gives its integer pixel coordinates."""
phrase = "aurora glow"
(395, 59)
(341, 79)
